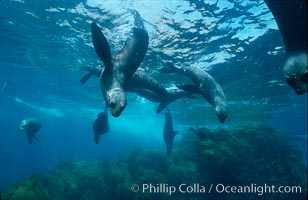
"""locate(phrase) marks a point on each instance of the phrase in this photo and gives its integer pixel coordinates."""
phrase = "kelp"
(236, 156)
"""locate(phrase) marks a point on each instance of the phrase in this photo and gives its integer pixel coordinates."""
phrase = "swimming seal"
(291, 18)
(101, 124)
(168, 132)
(31, 126)
(145, 86)
(122, 66)
(151, 89)
(171, 95)
(205, 85)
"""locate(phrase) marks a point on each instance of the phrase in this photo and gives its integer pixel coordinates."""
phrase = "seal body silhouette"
(291, 18)
(101, 124)
(31, 126)
(168, 132)
(205, 85)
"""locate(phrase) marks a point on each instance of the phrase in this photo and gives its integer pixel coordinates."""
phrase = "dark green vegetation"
(239, 156)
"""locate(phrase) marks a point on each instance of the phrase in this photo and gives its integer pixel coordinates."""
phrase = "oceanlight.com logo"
(196, 188)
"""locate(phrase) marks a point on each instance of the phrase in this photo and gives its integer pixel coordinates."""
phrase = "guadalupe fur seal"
(151, 89)
(145, 86)
(31, 126)
(171, 95)
(169, 133)
(101, 124)
(291, 18)
(122, 66)
(205, 85)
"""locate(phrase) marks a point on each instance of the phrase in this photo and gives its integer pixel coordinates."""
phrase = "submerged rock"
(252, 155)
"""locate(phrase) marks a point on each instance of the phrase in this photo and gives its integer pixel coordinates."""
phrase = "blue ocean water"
(43, 45)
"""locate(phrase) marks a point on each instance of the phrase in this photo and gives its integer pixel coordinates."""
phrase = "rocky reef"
(255, 156)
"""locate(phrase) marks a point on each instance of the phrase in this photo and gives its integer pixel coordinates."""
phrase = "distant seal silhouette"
(31, 126)
(168, 132)
(122, 66)
(101, 124)
(291, 18)
(205, 85)
(145, 86)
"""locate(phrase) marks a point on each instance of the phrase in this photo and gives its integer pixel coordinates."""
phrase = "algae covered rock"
(250, 155)
(244, 155)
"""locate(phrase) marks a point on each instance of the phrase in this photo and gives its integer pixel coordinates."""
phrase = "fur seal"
(31, 126)
(205, 85)
(171, 95)
(121, 67)
(101, 124)
(168, 132)
(151, 89)
(291, 18)
(145, 86)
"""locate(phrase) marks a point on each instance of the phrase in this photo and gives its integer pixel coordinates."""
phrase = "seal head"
(116, 99)
(296, 73)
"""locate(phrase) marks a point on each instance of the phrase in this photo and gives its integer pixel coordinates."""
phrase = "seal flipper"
(96, 138)
(175, 133)
(35, 138)
(170, 145)
(85, 78)
(138, 19)
(169, 149)
(101, 45)
(31, 136)
(162, 106)
(135, 48)
(189, 88)
(30, 139)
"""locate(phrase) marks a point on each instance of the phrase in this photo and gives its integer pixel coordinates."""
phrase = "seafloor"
(238, 156)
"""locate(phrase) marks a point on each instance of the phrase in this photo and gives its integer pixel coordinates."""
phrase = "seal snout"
(222, 117)
(299, 84)
(116, 108)
(222, 112)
